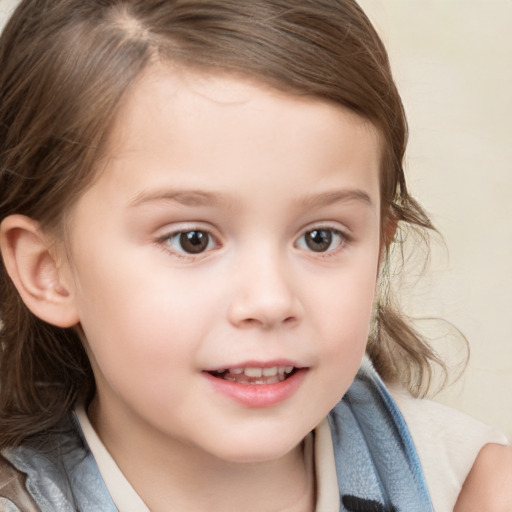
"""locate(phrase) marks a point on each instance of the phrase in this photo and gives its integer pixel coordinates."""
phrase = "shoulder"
(449, 427)
(489, 483)
(14, 495)
(459, 435)
(54, 472)
(8, 506)
(448, 443)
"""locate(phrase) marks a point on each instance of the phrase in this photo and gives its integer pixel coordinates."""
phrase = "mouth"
(254, 375)
(256, 384)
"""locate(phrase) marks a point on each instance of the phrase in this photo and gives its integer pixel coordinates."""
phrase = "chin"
(256, 449)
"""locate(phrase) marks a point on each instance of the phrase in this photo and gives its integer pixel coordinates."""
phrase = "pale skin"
(263, 177)
(488, 486)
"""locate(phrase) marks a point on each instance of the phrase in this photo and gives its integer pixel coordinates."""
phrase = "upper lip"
(255, 364)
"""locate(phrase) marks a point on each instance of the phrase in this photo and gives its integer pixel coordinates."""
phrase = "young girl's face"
(224, 264)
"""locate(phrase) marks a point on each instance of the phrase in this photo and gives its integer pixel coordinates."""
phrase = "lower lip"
(258, 395)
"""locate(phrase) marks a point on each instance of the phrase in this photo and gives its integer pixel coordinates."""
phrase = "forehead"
(184, 127)
(188, 94)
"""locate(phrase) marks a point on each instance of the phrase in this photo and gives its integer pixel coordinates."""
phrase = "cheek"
(142, 341)
(345, 302)
(141, 320)
(343, 316)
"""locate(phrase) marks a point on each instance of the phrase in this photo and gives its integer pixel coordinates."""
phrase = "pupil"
(194, 241)
(319, 240)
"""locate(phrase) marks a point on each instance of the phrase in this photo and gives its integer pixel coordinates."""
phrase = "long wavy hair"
(65, 66)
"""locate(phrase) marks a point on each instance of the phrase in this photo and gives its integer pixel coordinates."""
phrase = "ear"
(33, 265)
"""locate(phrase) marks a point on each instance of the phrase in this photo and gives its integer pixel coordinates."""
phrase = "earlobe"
(35, 271)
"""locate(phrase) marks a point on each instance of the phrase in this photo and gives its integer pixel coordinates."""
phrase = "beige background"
(453, 65)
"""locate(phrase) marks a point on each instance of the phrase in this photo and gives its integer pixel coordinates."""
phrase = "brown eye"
(194, 242)
(320, 240)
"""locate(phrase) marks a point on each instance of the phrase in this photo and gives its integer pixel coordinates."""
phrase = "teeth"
(265, 372)
(253, 372)
(267, 375)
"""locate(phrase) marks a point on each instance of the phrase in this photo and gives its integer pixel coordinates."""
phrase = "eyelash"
(335, 236)
(168, 239)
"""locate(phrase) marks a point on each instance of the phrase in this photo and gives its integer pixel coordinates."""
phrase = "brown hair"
(64, 67)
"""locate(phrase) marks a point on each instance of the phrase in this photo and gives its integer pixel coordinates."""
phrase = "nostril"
(251, 322)
(265, 309)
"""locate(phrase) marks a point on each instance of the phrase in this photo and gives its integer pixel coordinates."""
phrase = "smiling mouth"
(255, 375)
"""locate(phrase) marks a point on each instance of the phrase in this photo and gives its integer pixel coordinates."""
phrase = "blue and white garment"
(377, 466)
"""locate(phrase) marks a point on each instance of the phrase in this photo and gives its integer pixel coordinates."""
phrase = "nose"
(265, 293)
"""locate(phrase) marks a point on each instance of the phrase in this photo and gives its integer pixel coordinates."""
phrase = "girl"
(197, 202)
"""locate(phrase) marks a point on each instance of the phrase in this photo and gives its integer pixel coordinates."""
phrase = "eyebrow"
(184, 197)
(335, 196)
(197, 198)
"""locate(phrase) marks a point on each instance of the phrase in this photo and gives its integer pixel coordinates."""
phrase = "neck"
(164, 472)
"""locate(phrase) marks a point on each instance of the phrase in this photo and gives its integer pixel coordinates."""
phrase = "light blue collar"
(377, 464)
